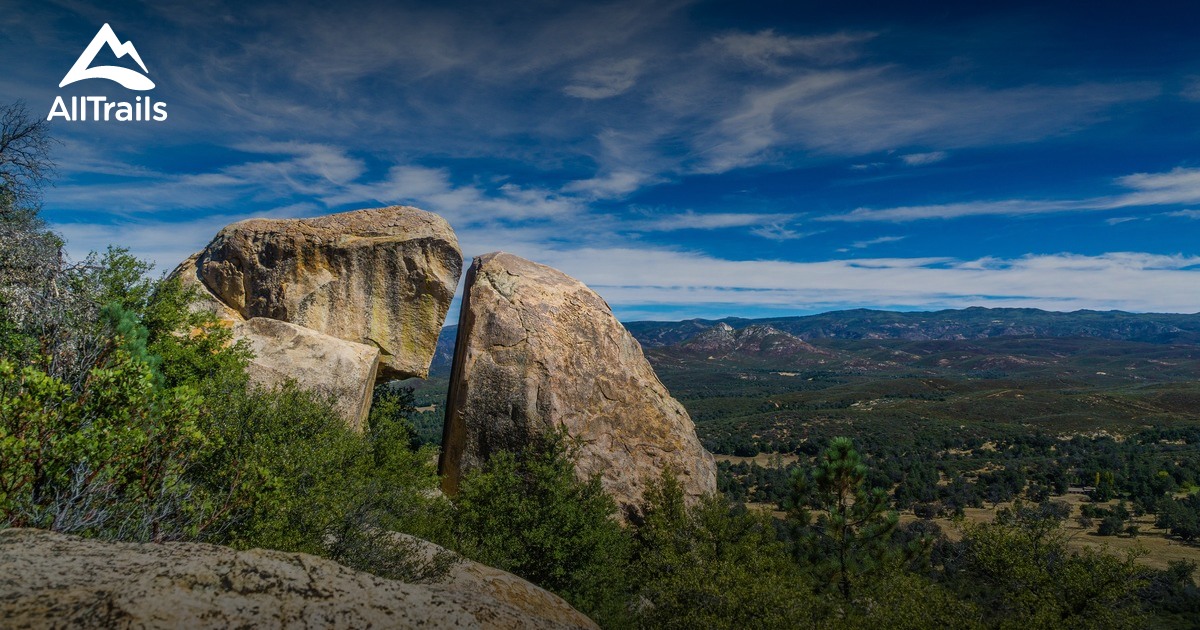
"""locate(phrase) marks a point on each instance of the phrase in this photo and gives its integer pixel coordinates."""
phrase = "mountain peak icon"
(130, 79)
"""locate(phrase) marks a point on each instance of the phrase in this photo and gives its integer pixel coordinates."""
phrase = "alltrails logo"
(99, 107)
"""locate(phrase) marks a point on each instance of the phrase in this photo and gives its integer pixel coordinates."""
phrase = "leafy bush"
(126, 413)
(527, 513)
(1018, 568)
(1181, 517)
(294, 477)
(108, 460)
(713, 566)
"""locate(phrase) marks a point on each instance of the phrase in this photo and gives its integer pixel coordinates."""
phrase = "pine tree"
(849, 535)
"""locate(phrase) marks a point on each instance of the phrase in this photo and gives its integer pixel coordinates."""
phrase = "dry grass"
(1156, 545)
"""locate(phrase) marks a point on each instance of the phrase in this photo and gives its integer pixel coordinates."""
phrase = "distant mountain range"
(722, 341)
(790, 336)
(969, 323)
(752, 385)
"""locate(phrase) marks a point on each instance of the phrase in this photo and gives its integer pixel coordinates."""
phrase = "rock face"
(471, 577)
(383, 277)
(282, 351)
(537, 349)
(318, 362)
(53, 580)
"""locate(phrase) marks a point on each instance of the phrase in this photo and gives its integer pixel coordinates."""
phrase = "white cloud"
(1012, 207)
(1177, 186)
(1119, 220)
(1191, 89)
(877, 241)
(921, 159)
(305, 169)
(780, 232)
(691, 220)
(636, 278)
(163, 242)
(433, 190)
(856, 111)
(605, 80)
(327, 162)
(610, 185)
(588, 246)
(1185, 214)
(766, 48)
(315, 172)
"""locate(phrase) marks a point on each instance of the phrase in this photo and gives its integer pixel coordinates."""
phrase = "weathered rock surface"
(53, 580)
(334, 301)
(283, 351)
(537, 349)
(317, 362)
(189, 276)
(383, 277)
(472, 577)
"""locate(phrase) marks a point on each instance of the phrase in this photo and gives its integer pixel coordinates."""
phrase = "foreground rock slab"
(536, 350)
(382, 277)
(472, 577)
(54, 580)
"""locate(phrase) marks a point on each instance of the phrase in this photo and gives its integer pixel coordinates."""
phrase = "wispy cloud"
(433, 189)
(297, 169)
(605, 80)
(877, 241)
(1178, 186)
(1012, 207)
(781, 232)
(610, 185)
(849, 112)
(1191, 89)
(690, 220)
(921, 159)
(690, 102)
(635, 278)
(766, 49)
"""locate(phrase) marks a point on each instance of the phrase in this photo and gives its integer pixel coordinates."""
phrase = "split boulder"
(382, 277)
(538, 350)
(335, 301)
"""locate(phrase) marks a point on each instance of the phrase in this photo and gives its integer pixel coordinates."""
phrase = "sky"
(684, 159)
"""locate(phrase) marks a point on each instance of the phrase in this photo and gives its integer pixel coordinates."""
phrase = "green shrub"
(298, 479)
(713, 566)
(108, 460)
(1018, 568)
(527, 513)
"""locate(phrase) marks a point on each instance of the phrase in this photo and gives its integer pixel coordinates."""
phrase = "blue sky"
(684, 159)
